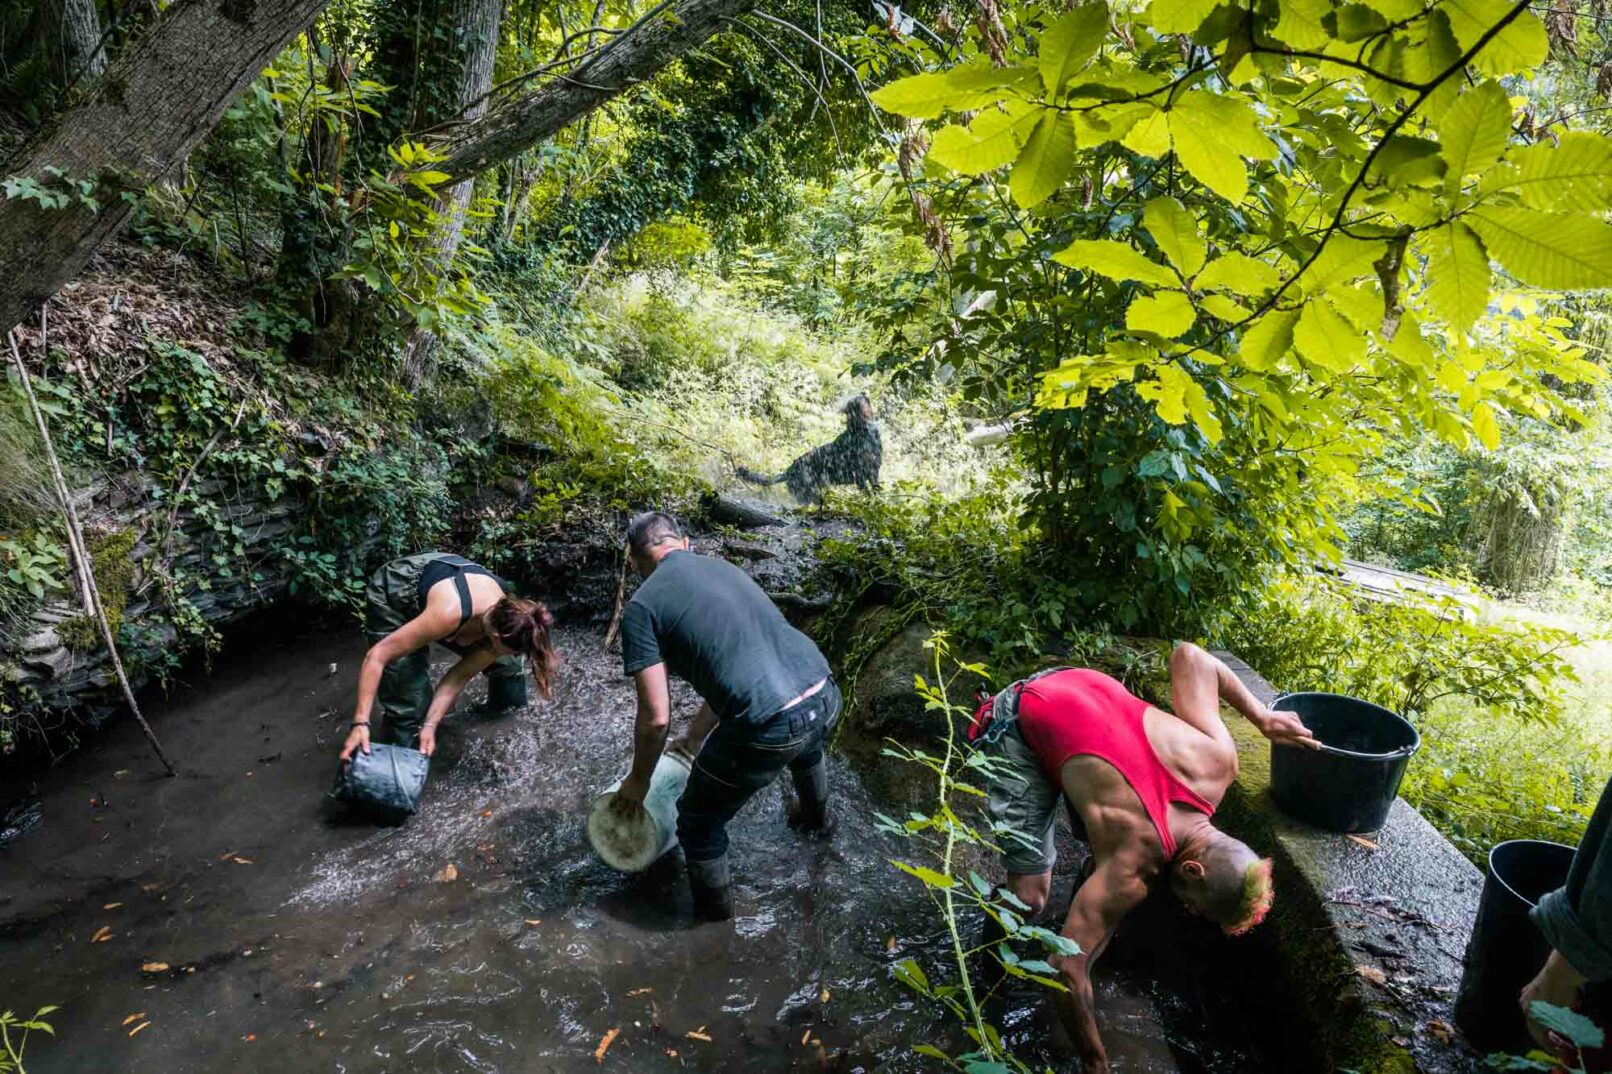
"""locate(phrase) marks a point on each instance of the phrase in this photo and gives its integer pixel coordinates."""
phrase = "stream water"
(228, 920)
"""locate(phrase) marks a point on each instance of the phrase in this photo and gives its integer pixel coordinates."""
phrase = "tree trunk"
(477, 23)
(646, 47)
(143, 116)
(81, 25)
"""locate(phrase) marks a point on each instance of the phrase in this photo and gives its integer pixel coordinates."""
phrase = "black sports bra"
(457, 568)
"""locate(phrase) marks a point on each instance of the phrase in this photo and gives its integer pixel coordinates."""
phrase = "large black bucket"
(1506, 949)
(1349, 783)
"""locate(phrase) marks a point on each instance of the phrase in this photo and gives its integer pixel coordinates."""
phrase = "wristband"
(359, 723)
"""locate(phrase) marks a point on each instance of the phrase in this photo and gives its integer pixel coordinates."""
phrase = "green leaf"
(1552, 250)
(1227, 309)
(1068, 45)
(1577, 1029)
(1324, 337)
(1474, 132)
(1211, 134)
(931, 1051)
(1457, 274)
(1179, 16)
(1150, 135)
(1268, 339)
(961, 89)
(992, 140)
(1521, 46)
(1046, 161)
(1485, 426)
(929, 876)
(1114, 260)
(1239, 274)
(1167, 313)
(1574, 175)
(1176, 232)
(911, 974)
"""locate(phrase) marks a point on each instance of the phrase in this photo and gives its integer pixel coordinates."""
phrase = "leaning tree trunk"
(81, 25)
(149, 110)
(646, 47)
(477, 22)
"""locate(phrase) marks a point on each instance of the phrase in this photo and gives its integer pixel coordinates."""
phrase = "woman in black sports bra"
(442, 598)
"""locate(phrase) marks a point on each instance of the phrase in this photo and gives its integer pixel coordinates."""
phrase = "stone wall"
(48, 655)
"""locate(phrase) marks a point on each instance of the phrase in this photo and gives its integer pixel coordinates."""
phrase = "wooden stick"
(75, 542)
(621, 596)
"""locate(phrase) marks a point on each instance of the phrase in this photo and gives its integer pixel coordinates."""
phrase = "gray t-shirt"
(716, 630)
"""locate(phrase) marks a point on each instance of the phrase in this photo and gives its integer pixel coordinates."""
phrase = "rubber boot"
(506, 691)
(809, 815)
(712, 888)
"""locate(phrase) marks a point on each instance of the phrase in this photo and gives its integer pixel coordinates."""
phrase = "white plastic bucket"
(634, 847)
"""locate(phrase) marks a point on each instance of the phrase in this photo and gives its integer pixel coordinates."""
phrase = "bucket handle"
(1401, 751)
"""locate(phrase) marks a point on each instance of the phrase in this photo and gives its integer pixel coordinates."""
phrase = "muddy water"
(482, 936)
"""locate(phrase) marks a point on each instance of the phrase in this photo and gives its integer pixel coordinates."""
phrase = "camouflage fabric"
(391, 599)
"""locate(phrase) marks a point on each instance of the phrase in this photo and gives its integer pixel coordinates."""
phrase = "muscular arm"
(1106, 897)
(1199, 681)
(649, 734)
(417, 633)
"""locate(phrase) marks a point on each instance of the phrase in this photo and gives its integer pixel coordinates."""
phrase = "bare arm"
(1199, 681)
(699, 729)
(1106, 897)
(447, 693)
(417, 633)
(649, 735)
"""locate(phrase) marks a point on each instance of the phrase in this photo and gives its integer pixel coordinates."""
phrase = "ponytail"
(522, 627)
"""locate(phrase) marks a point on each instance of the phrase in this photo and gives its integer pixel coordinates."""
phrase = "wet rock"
(728, 510)
(42, 641)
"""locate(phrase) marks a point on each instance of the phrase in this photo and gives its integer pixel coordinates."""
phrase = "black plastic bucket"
(1506, 949)
(1349, 783)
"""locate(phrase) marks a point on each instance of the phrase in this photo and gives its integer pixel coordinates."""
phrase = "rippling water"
(290, 937)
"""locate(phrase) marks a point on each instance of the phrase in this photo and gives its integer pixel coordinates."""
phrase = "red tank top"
(1082, 712)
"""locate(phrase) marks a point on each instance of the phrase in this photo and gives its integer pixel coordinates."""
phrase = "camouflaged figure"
(851, 458)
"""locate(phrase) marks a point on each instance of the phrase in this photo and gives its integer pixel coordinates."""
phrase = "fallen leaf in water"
(154, 967)
(250, 1037)
(112, 906)
(447, 873)
(243, 861)
(1372, 974)
(671, 1053)
(604, 1045)
(806, 1036)
(134, 1017)
(817, 1044)
(227, 855)
(408, 977)
(639, 992)
(137, 1028)
(486, 812)
(1363, 841)
(890, 944)
(536, 921)
(1442, 1031)
(825, 995)
(331, 670)
(190, 969)
(699, 1034)
(102, 934)
(120, 773)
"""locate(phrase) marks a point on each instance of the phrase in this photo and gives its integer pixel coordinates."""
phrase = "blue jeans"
(741, 758)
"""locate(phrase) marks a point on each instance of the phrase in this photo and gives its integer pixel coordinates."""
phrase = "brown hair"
(523, 627)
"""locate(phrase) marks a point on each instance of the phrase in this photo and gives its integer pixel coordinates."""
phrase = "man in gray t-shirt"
(769, 698)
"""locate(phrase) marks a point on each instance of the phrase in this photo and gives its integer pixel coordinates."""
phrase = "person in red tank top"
(1145, 784)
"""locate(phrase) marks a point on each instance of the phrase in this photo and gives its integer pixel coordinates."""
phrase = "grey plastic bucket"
(634, 849)
(385, 783)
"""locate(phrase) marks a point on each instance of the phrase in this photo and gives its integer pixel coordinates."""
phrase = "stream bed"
(230, 920)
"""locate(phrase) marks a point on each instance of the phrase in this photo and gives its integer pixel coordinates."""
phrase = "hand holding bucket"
(635, 840)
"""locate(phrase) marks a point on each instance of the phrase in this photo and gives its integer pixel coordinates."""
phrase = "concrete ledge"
(1371, 930)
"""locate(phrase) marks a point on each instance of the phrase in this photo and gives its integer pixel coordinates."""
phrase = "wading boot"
(808, 814)
(712, 888)
(506, 692)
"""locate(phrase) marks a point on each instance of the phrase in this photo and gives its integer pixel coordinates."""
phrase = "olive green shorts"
(1022, 804)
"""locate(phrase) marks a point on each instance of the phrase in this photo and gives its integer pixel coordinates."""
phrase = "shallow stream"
(226, 920)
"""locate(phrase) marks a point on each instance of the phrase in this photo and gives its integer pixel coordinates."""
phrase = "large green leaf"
(1239, 274)
(994, 138)
(1554, 250)
(1575, 175)
(1324, 337)
(1211, 134)
(1299, 23)
(1457, 274)
(1522, 45)
(1068, 45)
(1179, 16)
(1268, 339)
(1573, 1027)
(1167, 313)
(1473, 133)
(1114, 260)
(1176, 232)
(1046, 161)
(961, 89)
(1150, 134)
